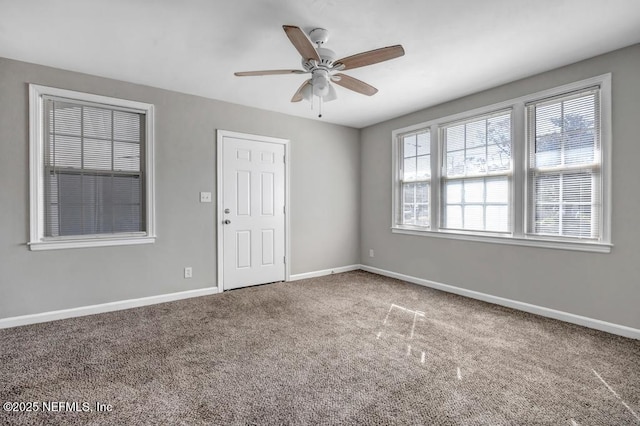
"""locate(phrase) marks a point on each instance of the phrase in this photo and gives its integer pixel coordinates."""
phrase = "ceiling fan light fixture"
(320, 83)
(331, 95)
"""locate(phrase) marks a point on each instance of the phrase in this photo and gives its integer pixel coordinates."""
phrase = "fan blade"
(371, 57)
(355, 85)
(298, 96)
(301, 42)
(267, 72)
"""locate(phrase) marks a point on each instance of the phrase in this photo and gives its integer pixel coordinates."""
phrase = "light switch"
(205, 197)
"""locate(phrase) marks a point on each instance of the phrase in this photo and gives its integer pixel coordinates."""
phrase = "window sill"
(517, 241)
(95, 242)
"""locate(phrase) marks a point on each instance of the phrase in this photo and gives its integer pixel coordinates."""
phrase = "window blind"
(564, 175)
(93, 169)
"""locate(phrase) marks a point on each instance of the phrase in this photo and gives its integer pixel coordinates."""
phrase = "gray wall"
(324, 198)
(600, 286)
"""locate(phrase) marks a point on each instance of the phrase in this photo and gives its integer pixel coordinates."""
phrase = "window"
(564, 165)
(529, 171)
(416, 178)
(476, 175)
(91, 170)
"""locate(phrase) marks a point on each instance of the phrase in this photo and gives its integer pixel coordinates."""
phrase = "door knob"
(226, 222)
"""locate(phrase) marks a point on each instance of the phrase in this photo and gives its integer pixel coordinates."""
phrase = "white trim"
(36, 160)
(103, 307)
(594, 247)
(519, 182)
(395, 174)
(98, 242)
(150, 170)
(37, 239)
(221, 134)
(219, 214)
(89, 97)
(324, 272)
(287, 214)
(609, 327)
(606, 145)
(518, 191)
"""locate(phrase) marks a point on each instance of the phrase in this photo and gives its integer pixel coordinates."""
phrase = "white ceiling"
(453, 47)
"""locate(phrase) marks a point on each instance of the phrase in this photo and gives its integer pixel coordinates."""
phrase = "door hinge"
(284, 259)
(284, 209)
(284, 159)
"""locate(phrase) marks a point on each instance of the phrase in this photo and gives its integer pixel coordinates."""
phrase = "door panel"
(253, 185)
(243, 192)
(243, 249)
(267, 246)
(267, 200)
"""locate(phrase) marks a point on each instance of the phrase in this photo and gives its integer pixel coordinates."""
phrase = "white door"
(252, 210)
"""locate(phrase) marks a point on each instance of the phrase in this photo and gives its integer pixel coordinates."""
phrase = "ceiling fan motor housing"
(327, 58)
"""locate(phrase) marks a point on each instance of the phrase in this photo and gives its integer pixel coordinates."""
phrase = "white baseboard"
(103, 307)
(314, 274)
(612, 328)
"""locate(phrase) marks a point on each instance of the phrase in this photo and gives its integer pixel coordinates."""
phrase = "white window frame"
(519, 190)
(38, 240)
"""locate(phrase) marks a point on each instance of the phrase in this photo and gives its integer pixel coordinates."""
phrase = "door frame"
(221, 134)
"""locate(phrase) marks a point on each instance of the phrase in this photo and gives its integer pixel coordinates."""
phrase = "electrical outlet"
(205, 197)
(188, 272)
(371, 253)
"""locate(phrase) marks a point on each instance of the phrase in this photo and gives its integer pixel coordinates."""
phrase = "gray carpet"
(353, 348)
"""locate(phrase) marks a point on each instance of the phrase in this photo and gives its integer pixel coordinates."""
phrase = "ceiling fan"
(321, 63)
